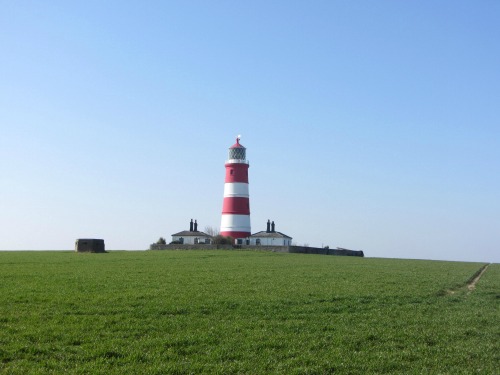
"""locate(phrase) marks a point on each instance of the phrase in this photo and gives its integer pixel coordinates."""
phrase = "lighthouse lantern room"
(235, 220)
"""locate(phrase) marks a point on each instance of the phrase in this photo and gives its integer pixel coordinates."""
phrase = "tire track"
(471, 285)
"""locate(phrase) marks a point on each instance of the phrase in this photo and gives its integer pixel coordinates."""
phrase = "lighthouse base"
(235, 234)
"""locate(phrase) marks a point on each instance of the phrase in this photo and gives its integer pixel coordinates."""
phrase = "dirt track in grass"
(472, 284)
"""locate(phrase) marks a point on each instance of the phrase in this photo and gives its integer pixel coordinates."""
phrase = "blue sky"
(368, 125)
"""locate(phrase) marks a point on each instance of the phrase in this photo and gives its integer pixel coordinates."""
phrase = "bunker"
(89, 245)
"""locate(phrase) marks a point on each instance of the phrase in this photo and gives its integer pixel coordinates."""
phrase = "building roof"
(187, 233)
(264, 234)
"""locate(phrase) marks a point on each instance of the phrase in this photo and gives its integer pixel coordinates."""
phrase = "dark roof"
(187, 233)
(270, 234)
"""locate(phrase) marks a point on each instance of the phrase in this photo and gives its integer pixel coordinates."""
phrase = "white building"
(270, 237)
(192, 236)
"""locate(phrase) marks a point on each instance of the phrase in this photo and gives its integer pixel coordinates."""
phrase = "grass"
(183, 312)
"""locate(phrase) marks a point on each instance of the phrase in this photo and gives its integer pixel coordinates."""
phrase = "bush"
(223, 240)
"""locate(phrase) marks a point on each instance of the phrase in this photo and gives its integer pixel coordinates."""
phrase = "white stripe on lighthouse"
(236, 189)
(235, 223)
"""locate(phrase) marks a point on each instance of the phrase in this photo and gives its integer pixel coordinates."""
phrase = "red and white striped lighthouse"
(236, 207)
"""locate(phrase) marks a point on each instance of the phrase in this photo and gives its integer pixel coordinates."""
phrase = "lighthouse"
(236, 206)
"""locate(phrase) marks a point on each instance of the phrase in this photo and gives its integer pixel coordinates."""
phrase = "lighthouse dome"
(237, 151)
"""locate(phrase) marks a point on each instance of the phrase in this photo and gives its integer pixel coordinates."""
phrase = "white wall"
(266, 241)
(190, 240)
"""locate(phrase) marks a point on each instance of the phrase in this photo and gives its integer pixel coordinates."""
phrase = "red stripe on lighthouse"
(235, 234)
(237, 172)
(236, 205)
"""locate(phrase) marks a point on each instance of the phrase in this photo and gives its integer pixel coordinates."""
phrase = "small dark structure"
(89, 245)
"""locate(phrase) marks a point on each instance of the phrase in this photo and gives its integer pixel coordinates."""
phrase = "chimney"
(191, 225)
(195, 226)
(272, 227)
(268, 226)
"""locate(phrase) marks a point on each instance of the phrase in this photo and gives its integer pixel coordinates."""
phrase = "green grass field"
(225, 312)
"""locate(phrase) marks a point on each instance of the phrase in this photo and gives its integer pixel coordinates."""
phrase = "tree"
(212, 231)
(161, 241)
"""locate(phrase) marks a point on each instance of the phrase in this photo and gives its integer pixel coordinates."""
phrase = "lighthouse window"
(232, 172)
(237, 153)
